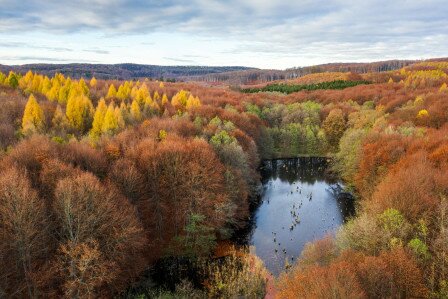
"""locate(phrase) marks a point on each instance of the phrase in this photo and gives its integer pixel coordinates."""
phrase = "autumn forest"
(103, 181)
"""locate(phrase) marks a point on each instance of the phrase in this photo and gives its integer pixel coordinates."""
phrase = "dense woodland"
(290, 88)
(123, 71)
(255, 76)
(101, 179)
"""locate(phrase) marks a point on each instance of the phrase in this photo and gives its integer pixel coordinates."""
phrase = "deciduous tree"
(33, 117)
(98, 119)
(24, 235)
(93, 82)
(135, 111)
(98, 230)
(334, 127)
(112, 92)
(110, 124)
(79, 113)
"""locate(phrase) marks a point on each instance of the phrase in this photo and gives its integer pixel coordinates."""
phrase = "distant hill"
(231, 75)
(255, 76)
(123, 71)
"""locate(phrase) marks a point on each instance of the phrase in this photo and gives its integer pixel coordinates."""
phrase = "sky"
(256, 33)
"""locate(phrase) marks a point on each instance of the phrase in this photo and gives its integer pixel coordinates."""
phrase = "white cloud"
(286, 32)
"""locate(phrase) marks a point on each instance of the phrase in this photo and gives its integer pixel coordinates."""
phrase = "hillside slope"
(123, 71)
(252, 76)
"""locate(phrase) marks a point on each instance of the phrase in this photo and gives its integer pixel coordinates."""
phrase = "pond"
(300, 202)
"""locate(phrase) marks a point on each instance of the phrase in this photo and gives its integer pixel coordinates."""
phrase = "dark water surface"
(300, 202)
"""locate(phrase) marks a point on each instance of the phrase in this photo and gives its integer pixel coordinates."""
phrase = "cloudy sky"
(258, 33)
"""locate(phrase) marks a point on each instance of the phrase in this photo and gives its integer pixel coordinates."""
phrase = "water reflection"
(300, 202)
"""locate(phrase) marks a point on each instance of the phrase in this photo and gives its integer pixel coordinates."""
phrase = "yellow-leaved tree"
(36, 83)
(59, 121)
(78, 88)
(162, 135)
(124, 111)
(180, 99)
(121, 93)
(148, 102)
(64, 91)
(164, 99)
(120, 117)
(110, 124)
(83, 86)
(192, 102)
(79, 113)
(98, 119)
(46, 85)
(136, 113)
(154, 107)
(53, 93)
(2, 78)
(33, 117)
(443, 88)
(26, 81)
(112, 92)
(93, 82)
(422, 113)
(156, 96)
(142, 96)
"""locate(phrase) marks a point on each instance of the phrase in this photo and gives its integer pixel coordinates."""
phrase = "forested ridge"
(255, 76)
(124, 71)
(100, 180)
(233, 75)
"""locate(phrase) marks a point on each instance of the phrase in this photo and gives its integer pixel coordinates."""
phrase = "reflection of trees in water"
(308, 170)
(345, 200)
(242, 235)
